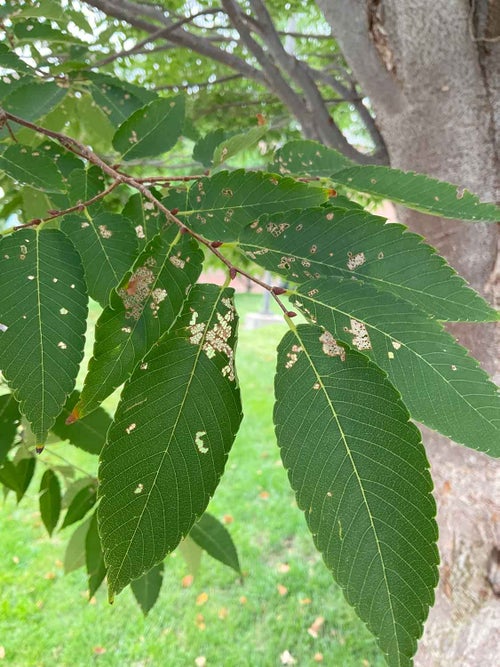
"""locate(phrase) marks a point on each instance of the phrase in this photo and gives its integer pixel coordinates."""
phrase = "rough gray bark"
(432, 72)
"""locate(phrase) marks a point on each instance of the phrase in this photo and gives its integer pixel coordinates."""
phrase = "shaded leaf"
(50, 500)
(84, 184)
(117, 99)
(152, 130)
(18, 475)
(316, 243)
(203, 150)
(9, 422)
(9, 60)
(82, 503)
(225, 203)
(107, 244)
(418, 192)
(88, 433)
(309, 158)
(168, 445)
(144, 216)
(214, 538)
(441, 385)
(146, 589)
(141, 309)
(94, 559)
(33, 100)
(74, 556)
(43, 306)
(32, 167)
(360, 474)
(65, 161)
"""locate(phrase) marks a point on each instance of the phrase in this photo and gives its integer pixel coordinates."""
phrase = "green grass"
(46, 620)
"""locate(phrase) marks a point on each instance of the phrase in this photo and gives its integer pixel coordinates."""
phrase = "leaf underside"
(360, 474)
(168, 445)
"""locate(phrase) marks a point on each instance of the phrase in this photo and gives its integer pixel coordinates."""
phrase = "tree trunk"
(432, 72)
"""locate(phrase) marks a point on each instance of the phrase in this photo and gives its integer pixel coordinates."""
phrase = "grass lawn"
(286, 602)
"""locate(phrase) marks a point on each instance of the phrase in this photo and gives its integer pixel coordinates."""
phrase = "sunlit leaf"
(441, 385)
(152, 130)
(146, 589)
(309, 158)
(43, 307)
(107, 244)
(203, 150)
(360, 474)
(141, 310)
(50, 500)
(173, 429)
(237, 143)
(316, 243)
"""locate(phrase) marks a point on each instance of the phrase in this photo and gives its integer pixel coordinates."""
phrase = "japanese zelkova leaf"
(441, 385)
(43, 308)
(316, 243)
(75, 554)
(220, 206)
(33, 100)
(141, 310)
(152, 130)
(84, 184)
(107, 244)
(418, 192)
(360, 474)
(147, 588)
(88, 433)
(9, 60)
(203, 150)
(214, 538)
(18, 475)
(308, 157)
(237, 143)
(65, 161)
(117, 99)
(9, 422)
(31, 167)
(173, 429)
(50, 500)
(94, 559)
(82, 503)
(144, 216)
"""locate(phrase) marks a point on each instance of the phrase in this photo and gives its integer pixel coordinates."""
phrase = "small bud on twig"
(174, 211)
(216, 244)
(290, 313)
(278, 290)
(232, 273)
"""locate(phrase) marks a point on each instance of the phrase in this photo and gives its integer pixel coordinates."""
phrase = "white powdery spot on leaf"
(330, 346)
(139, 232)
(61, 345)
(360, 338)
(136, 292)
(3, 327)
(177, 261)
(139, 488)
(356, 260)
(130, 428)
(105, 232)
(63, 311)
(198, 439)
(396, 344)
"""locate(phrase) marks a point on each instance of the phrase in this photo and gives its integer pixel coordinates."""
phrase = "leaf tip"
(73, 416)
(39, 448)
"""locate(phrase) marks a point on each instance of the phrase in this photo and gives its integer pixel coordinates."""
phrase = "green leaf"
(441, 385)
(152, 130)
(191, 553)
(74, 557)
(17, 476)
(35, 203)
(309, 158)
(214, 538)
(107, 244)
(31, 166)
(33, 100)
(82, 503)
(203, 150)
(117, 99)
(34, 31)
(418, 192)
(146, 589)
(84, 184)
(173, 429)
(9, 60)
(94, 559)
(237, 143)
(360, 474)
(43, 306)
(144, 216)
(88, 433)
(316, 243)
(225, 203)
(50, 500)
(65, 161)
(9, 422)
(141, 309)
